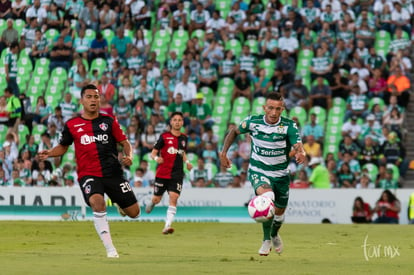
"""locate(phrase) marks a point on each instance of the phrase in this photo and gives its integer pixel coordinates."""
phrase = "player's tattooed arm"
(228, 141)
(300, 154)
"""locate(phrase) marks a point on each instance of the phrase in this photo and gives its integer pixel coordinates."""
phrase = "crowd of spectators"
(141, 87)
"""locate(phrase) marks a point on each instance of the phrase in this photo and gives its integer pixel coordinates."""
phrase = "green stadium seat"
(99, 64)
(43, 63)
(148, 35)
(108, 34)
(268, 65)
(152, 164)
(3, 25)
(376, 100)
(220, 114)
(241, 109)
(220, 131)
(339, 102)
(69, 156)
(54, 94)
(19, 25)
(58, 76)
(234, 45)
(90, 34)
(257, 106)
(305, 54)
(23, 132)
(320, 114)
(192, 158)
(226, 82)
(208, 95)
(163, 35)
(3, 132)
(181, 35)
(37, 131)
(51, 35)
(224, 6)
(300, 113)
(372, 171)
(134, 166)
(253, 45)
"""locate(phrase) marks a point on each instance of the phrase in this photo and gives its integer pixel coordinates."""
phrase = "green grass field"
(204, 248)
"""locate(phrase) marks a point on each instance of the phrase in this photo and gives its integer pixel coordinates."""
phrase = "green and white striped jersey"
(11, 60)
(271, 144)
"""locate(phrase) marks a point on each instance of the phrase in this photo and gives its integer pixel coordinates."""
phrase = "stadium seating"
(38, 81)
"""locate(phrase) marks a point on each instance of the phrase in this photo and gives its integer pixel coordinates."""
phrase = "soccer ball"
(261, 209)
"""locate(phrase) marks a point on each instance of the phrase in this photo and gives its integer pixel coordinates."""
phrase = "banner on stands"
(209, 204)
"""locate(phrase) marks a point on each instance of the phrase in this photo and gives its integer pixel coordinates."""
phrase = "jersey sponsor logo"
(79, 130)
(170, 142)
(267, 152)
(173, 151)
(103, 126)
(78, 125)
(85, 139)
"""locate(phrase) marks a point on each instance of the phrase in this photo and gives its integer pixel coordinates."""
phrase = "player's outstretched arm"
(187, 162)
(300, 154)
(56, 151)
(154, 156)
(228, 141)
(128, 157)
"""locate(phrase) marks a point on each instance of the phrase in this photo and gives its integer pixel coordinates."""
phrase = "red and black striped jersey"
(95, 145)
(171, 149)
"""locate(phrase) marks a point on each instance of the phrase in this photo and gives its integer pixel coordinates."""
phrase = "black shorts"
(117, 189)
(170, 185)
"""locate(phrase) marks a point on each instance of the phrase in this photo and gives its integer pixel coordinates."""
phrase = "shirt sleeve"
(244, 126)
(160, 143)
(117, 131)
(66, 138)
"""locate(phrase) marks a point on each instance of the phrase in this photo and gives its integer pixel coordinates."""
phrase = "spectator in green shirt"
(202, 111)
(179, 105)
(14, 108)
(320, 175)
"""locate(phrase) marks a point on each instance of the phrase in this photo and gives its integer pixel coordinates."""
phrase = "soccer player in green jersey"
(274, 139)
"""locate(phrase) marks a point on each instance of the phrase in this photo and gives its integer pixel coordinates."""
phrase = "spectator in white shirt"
(287, 42)
(186, 88)
(400, 18)
(36, 11)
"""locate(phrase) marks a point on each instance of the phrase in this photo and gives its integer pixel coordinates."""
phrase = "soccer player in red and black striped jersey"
(95, 137)
(169, 153)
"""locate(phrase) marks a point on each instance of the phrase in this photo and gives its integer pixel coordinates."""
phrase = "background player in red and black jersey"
(169, 153)
(95, 137)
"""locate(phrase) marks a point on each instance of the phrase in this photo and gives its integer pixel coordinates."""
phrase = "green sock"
(266, 229)
(275, 227)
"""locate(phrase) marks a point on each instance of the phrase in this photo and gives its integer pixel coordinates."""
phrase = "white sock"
(102, 228)
(170, 215)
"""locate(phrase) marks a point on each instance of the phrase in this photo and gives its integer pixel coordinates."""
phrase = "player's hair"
(175, 114)
(274, 96)
(88, 87)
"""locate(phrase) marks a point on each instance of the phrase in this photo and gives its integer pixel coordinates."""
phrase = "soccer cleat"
(277, 244)
(168, 230)
(120, 210)
(149, 207)
(112, 254)
(265, 248)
